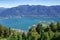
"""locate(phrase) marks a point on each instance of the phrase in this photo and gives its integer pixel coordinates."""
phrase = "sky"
(14, 3)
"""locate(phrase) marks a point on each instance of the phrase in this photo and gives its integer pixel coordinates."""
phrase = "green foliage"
(13, 36)
(53, 27)
(33, 34)
(51, 32)
(1, 30)
(58, 26)
(6, 32)
(39, 28)
(56, 36)
(19, 36)
(24, 36)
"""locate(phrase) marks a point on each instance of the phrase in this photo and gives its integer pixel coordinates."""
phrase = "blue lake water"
(25, 22)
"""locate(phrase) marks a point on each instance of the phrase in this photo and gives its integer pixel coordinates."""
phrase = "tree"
(33, 34)
(58, 26)
(53, 27)
(13, 36)
(1, 30)
(46, 36)
(56, 36)
(42, 35)
(46, 29)
(19, 36)
(6, 32)
(24, 36)
(51, 34)
(39, 28)
(10, 31)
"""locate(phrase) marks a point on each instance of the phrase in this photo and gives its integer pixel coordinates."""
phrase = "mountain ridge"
(28, 10)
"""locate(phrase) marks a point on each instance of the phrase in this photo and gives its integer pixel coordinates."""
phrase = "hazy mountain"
(2, 9)
(47, 11)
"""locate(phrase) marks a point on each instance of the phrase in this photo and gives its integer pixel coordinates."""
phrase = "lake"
(25, 23)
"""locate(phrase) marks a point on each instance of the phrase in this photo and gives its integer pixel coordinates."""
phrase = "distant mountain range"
(2, 9)
(28, 10)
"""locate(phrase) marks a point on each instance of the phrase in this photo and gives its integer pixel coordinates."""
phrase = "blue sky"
(13, 3)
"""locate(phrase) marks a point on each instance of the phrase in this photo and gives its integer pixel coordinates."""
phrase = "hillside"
(38, 32)
(28, 10)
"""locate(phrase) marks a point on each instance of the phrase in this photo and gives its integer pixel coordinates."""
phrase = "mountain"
(28, 10)
(2, 9)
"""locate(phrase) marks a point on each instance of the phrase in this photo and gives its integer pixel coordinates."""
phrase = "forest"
(38, 32)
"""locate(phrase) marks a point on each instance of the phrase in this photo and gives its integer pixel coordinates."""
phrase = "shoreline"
(18, 30)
